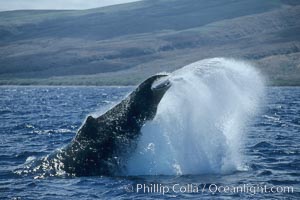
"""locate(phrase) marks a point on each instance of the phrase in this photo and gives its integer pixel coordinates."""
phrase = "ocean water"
(218, 133)
(34, 121)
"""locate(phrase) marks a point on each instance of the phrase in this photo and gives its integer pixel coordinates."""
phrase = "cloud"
(56, 4)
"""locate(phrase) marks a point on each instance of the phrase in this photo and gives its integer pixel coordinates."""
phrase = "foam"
(200, 122)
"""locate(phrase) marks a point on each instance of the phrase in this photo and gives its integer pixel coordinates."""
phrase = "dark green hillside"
(141, 17)
(123, 44)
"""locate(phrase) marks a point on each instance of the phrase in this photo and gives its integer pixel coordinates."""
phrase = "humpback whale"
(102, 144)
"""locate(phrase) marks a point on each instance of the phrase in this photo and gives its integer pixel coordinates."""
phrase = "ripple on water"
(272, 152)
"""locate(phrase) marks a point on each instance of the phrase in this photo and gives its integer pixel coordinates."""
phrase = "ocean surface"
(35, 121)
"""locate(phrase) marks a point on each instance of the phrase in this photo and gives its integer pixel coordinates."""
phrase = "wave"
(200, 122)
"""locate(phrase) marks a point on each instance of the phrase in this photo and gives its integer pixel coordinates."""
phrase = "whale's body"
(102, 144)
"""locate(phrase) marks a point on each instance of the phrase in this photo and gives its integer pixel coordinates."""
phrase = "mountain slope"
(123, 44)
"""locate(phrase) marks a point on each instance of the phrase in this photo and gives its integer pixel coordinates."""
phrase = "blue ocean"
(35, 121)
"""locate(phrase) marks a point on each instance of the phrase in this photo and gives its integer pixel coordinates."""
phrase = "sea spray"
(200, 122)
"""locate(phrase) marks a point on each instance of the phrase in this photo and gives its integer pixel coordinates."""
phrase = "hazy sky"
(56, 4)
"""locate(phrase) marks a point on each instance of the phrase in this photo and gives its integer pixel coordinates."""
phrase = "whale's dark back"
(102, 144)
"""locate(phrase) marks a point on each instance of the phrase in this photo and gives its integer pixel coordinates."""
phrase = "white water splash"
(200, 121)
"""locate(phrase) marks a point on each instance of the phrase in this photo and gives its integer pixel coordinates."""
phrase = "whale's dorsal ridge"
(90, 119)
(89, 129)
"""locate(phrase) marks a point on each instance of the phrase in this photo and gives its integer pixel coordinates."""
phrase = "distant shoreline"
(110, 86)
(113, 86)
(111, 82)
